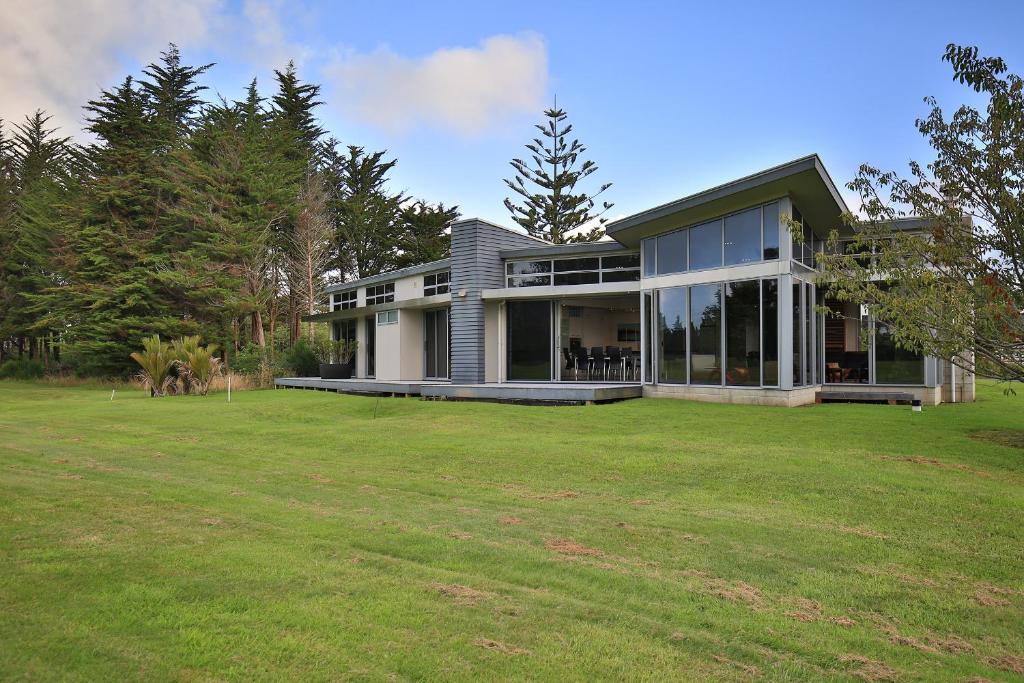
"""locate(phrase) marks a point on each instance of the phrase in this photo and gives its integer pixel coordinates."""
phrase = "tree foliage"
(956, 289)
(549, 205)
(188, 217)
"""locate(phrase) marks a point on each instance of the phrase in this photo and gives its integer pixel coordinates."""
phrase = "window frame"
(546, 277)
(380, 294)
(433, 284)
(388, 317)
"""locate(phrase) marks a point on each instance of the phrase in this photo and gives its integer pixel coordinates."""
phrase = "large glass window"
(371, 345)
(648, 336)
(529, 340)
(706, 245)
(672, 252)
(894, 365)
(672, 335)
(705, 334)
(771, 231)
(435, 329)
(810, 367)
(345, 330)
(743, 237)
(650, 260)
(798, 336)
(743, 333)
(770, 333)
(585, 270)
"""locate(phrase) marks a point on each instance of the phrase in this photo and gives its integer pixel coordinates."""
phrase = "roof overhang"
(557, 250)
(805, 180)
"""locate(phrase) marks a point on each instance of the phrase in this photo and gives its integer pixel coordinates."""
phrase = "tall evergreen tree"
(366, 215)
(41, 164)
(118, 257)
(425, 233)
(550, 206)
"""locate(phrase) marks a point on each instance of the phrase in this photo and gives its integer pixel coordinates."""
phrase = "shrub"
(21, 368)
(249, 360)
(156, 360)
(303, 360)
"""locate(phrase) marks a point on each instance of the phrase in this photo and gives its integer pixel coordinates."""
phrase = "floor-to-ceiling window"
(345, 330)
(894, 365)
(370, 322)
(705, 334)
(435, 331)
(799, 340)
(672, 335)
(743, 333)
(649, 337)
(770, 333)
(528, 340)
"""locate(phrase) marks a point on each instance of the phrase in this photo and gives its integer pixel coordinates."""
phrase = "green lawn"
(312, 536)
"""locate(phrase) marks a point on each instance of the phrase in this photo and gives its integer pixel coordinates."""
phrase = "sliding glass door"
(435, 329)
(529, 341)
(371, 345)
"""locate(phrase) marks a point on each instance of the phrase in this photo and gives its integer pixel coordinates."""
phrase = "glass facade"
(435, 332)
(748, 236)
(371, 345)
(743, 237)
(894, 365)
(672, 252)
(587, 270)
(672, 335)
(529, 340)
(743, 333)
(770, 333)
(705, 334)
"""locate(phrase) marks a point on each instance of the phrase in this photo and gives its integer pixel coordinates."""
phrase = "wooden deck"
(555, 393)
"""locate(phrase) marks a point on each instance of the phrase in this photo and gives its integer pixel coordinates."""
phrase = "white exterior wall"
(410, 352)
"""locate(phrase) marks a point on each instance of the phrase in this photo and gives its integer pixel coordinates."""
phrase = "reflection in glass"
(672, 335)
(771, 231)
(743, 237)
(672, 252)
(770, 332)
(743, 333)
(894, 365)
(705, 334)
(706, 245)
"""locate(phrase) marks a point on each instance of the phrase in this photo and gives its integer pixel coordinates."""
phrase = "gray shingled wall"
(476, 266)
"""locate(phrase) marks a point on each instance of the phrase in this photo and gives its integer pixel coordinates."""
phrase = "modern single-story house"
(707, 297)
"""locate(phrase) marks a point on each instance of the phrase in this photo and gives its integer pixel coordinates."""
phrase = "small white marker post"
(112, 394)
(229, 387)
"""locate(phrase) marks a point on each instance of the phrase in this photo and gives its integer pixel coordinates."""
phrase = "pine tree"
(40, 179)
(425, 233)
(366, 215)
(550, 207)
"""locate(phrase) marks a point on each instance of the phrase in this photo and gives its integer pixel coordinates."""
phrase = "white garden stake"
(112, 394)
(229, 387)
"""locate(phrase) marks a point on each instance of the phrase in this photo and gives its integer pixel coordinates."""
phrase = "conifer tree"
(551, 207)
(366, 215)
(425, 234)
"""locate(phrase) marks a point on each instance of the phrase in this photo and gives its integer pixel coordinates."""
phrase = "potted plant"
(336, 359)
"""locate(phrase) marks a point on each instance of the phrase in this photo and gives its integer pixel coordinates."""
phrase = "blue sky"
(669, 97)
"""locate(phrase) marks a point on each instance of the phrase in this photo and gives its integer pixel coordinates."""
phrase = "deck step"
(887, 397)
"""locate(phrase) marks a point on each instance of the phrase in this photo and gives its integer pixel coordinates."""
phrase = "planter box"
(335, 371)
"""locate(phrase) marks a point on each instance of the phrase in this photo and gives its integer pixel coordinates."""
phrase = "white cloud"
(267, 42)
(464, 89)
(57, 55)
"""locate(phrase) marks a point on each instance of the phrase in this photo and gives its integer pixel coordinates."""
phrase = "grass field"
(312, 536)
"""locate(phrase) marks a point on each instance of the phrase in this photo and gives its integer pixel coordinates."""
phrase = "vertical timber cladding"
(476, 266)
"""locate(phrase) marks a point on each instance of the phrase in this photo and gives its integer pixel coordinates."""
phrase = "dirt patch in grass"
(868, 669)
(736, 592)
(807, 611)
(747, 668)
(317, 477)
(461, 535)
(1012, 438)
(932, 462)
(568, 547)
(212, 521)
(461, 595)
(863, 532)
(69, 475)
(987, 599)
(510, 520)
(1007, 663)
(845, 622)
(497, 646)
